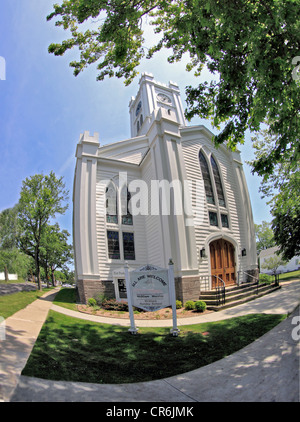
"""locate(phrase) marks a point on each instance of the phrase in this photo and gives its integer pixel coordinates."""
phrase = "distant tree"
(282, 187)
(9, 228)
(264, 236)
(273, 263)
(70, 276)
(16, 262)
(42, 198)
(286, 218)
(56, 253)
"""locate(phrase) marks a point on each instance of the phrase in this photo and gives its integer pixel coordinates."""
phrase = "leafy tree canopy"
(273, 263)
(42, 197)
(8, 228)
(283, 189)
(55, 250)
(264, 236)
(250, 44)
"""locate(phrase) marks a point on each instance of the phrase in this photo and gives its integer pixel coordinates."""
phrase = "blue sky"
(44, 108)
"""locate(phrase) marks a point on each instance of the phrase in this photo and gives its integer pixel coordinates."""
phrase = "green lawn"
(293, 275)
(10, 304)
(19, 280)
(66, 298)
(290, 276)
(72, 349)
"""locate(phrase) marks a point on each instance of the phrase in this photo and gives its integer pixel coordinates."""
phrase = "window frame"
(214, 175)
(207, 179)
(127, 256)
(218, 181)
(124, 223)
(108, 245)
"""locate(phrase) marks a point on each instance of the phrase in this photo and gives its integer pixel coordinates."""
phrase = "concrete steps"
(237, 295)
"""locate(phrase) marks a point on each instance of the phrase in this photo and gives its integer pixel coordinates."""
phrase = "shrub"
(92, 302)
(178, 304)
(189, 305)
(265, 278)
(113, 305)
(200, 306)
(100, 298)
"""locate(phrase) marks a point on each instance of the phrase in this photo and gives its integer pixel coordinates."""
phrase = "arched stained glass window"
(218, 182)
(125, 206)
(206, 178)
(111, 204)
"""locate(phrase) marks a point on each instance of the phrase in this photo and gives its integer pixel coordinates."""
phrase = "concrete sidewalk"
(282, 301)
(266, 370)
(21, 332)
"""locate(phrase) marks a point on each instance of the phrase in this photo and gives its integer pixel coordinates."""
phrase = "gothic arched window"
(218, 182)
(111, 203)
(125, 206)
(206, 178)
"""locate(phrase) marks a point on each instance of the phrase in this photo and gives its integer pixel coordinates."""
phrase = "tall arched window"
(120, 239)
(206, 178)
(125, 206)
(218, 182)
(111, 203)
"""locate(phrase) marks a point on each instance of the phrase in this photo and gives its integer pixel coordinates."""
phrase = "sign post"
(132, 329)
(151, 288)
(174, 330)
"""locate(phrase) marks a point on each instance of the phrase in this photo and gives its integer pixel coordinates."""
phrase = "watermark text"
(2, 69)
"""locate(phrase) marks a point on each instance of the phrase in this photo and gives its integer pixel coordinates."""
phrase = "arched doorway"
(222, 261)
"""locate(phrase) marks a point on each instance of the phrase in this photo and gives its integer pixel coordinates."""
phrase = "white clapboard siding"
(106, 266)
(152, 222)
(191, 146)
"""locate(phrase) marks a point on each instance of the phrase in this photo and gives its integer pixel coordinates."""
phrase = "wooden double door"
(222, 259)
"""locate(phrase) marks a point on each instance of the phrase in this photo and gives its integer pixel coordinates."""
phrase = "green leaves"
(41, 198)
(248, 44)
(116, 44)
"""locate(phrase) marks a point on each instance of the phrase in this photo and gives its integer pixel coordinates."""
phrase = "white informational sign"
(151, 288)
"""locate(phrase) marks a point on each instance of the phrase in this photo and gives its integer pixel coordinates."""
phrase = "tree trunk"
(47, 276)
(6, 273)
(37, 267)
(53, 277)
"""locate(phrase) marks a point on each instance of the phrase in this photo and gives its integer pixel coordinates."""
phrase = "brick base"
(90, 288)
(187, 288)
(252, 273)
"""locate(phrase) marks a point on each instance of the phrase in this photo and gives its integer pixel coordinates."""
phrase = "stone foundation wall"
(90, 288)
(187, 288)
(253, 273)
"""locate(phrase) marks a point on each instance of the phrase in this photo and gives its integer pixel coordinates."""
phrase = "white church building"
(167, 192)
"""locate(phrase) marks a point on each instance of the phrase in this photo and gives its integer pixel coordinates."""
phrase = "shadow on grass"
(66, 295)
(69, 349)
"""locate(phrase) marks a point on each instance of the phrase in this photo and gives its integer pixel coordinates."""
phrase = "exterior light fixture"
(202, 253)
(244, 252)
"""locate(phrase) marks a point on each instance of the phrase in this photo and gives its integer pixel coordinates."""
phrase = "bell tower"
(151, 97)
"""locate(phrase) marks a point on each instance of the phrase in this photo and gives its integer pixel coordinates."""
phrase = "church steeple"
(152, 96)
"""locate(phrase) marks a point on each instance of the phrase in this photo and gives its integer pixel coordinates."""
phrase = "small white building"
(167, 192)
(292, 265)
(10, 276)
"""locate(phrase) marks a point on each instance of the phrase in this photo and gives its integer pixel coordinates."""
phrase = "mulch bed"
(162, 314)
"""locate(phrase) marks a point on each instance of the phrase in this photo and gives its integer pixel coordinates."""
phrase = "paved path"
(266, 370)
(21, 331)
(9, 288)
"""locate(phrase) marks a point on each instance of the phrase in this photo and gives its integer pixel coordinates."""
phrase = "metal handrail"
(220, 290)
(252, 276)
